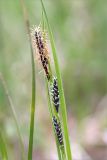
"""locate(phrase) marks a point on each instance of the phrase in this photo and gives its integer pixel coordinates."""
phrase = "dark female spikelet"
(55, 94)
(40, 42)
(58, 130)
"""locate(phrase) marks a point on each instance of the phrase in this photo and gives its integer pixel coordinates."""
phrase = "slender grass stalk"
(61, 92)
(32, 116)
(30, 149)
(50, 111)
(13, 114)
(3, 148)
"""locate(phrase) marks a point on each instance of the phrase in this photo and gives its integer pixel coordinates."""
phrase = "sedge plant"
(61, 92)
(56, 99)
(40, 44)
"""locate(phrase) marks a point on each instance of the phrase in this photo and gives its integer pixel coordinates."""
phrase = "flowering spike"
(58, 130)
(55, 94)
(40, 42)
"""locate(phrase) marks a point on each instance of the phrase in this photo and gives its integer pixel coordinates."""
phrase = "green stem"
(32, 114)
(3, 147)
(30, 149)
(63, 153)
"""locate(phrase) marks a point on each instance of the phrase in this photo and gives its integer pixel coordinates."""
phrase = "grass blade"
(62, 98)
(13, 114)
(30, 149)
(32, 116)
(3, 147)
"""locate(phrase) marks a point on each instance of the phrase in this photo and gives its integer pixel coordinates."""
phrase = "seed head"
(39, 41)
(55, 94)
(58, 130)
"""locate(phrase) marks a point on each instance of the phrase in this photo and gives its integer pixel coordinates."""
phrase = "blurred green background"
(80, 31)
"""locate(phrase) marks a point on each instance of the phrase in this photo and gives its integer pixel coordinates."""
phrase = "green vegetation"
(80, 36)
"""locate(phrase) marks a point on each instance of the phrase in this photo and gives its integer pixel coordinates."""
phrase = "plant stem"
(3, 147)
(32, 114)
(30, 149)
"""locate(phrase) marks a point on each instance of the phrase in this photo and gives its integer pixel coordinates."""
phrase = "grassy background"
(80, 32)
